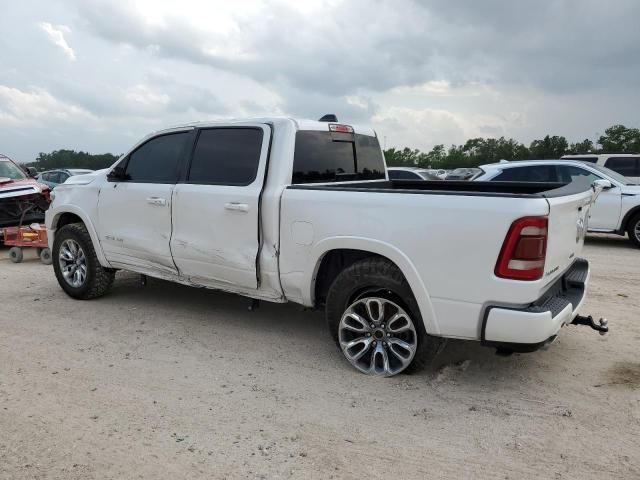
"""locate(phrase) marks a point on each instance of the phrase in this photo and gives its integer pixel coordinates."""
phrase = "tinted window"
(542, 173)
(627, 166)
(370, 162)
(567, 174)
(330, 157)
(226, 156)
(157, 160)
(403, 175)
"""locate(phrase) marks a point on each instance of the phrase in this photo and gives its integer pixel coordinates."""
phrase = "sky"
(97, 75)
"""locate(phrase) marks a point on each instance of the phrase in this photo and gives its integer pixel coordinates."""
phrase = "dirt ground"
(166, 381)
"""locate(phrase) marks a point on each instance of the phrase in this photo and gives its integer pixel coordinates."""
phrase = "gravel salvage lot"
(167, 381)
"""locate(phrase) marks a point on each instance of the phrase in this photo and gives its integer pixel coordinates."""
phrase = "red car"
(22, 199)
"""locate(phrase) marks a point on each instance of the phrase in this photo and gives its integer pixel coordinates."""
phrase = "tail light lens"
(524, 250)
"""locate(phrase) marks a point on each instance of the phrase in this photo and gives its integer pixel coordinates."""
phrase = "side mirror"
(33, 173)
(117, 174)
(603, 184)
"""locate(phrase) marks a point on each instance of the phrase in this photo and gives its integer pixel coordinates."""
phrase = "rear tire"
(76, 264)
(361, 306)
(633, 230)
(16, 255)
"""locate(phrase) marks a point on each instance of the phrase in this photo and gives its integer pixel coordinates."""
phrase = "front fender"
(54, 214)
(403, 262)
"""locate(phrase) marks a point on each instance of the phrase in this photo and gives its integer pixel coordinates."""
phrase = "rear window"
(627, 166)
(332, 157)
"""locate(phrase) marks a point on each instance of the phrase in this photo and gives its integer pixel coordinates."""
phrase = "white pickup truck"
(284, 210)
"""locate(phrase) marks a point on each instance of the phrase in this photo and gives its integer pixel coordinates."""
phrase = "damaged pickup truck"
(22, 199)
(281, 210)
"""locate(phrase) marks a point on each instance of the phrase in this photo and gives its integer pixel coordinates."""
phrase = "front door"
(605, 212)
(134, 213)
(216, 213)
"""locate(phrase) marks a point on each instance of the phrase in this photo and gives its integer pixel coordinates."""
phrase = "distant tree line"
(474, 152)
(72, 159)
(478, 151)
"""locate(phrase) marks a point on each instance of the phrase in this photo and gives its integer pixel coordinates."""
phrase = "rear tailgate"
(568, 218)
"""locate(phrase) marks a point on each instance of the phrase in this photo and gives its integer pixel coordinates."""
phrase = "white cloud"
(56, 36)
(36, 108)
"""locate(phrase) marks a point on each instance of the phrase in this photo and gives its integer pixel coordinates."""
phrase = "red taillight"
(524, 250)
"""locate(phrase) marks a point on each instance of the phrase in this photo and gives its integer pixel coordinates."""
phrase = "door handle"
(157, 201)
(238, 207)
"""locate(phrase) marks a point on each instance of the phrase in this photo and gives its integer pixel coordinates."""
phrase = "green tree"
(620, 139)
(404, 158)
(585, 146)
(548, 147)
(72, 159)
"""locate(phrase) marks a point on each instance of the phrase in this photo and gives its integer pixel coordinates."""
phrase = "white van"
(627, 164)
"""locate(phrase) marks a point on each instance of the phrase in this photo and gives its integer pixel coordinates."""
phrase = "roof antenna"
(330, 117)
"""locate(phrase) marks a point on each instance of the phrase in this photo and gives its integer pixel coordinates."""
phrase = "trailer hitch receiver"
(601, 326)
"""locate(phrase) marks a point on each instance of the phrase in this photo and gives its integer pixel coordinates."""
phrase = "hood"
(16, 188)
(85, 179)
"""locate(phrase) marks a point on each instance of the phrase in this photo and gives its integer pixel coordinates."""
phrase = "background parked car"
(51, 178)
(409, 173)
(22, 199)
(617, 208)
(463, 174)
(627, 164)
(440, 173)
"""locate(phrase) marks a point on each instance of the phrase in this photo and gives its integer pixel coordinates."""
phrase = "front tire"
(76, 264)
(375, 320)
(633, 230)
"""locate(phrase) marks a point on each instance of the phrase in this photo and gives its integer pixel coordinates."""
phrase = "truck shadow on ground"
(305, 329)
(608, 241)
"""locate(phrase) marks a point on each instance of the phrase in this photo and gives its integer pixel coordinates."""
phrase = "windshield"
(9, 170)
(615, 175)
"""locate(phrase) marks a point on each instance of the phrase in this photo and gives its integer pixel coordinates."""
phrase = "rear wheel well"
(66, 219)
(334, 262)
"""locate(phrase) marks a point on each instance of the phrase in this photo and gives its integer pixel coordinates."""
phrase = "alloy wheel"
(377, 336)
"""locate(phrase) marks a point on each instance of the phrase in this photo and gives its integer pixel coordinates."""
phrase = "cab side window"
(226, 156)
(157, 160)
(403, 175)
(541, 173)
(627, 166)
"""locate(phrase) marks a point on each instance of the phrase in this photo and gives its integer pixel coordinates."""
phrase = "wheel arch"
(321, 271)
(71, 214)
(627, 218)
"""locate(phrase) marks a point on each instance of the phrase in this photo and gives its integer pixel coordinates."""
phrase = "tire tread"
(100, 279)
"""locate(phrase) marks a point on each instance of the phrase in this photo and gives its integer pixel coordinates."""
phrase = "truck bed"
(444, 187)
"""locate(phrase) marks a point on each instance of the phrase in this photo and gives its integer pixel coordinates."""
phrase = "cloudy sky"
(98, 74)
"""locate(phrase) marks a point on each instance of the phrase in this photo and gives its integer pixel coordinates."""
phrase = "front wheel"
(634, 230)
(375, 320)
(76, 264)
